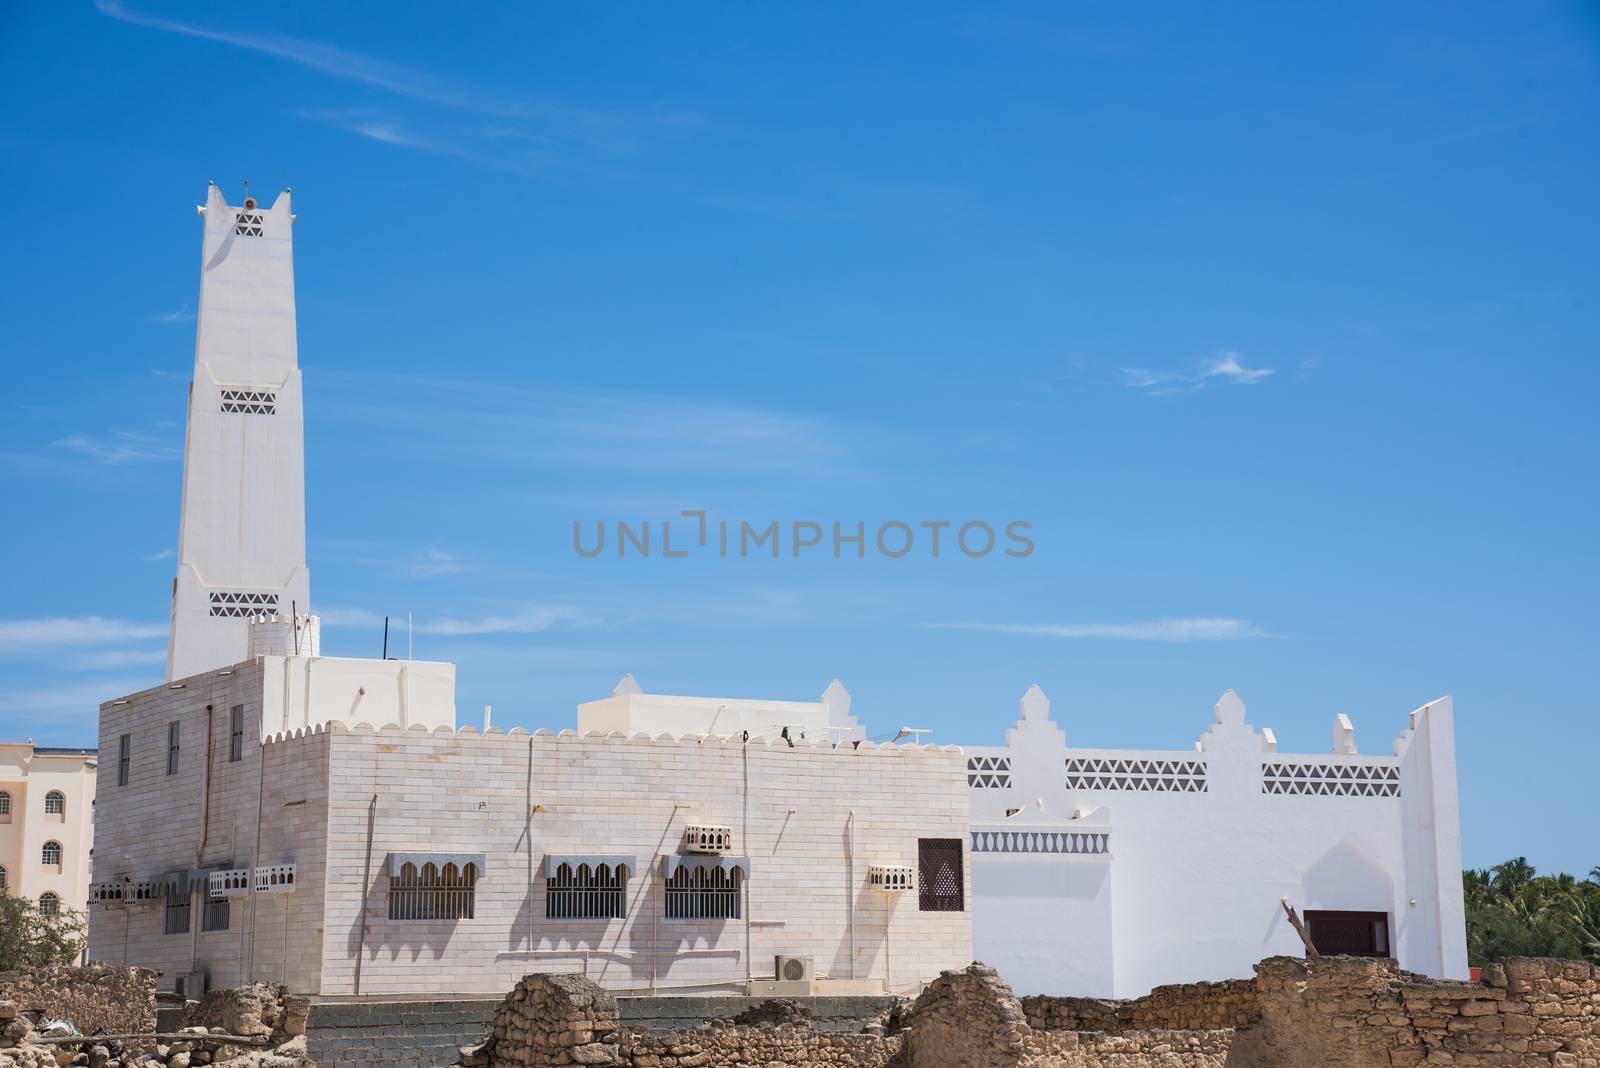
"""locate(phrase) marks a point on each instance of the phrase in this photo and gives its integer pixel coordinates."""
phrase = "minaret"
(242, 534)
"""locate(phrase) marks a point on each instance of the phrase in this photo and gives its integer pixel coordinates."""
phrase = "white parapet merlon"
(241, 540)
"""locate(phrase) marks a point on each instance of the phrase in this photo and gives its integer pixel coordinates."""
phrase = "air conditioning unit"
(193, 986)
(699, 838)
(794, 969)
(275, 879)
(891, 878)
(235, 882)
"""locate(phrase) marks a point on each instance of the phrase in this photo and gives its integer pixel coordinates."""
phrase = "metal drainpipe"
(749, 897)
(200, 850)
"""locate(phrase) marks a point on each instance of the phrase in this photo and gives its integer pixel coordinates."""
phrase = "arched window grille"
(433, 893)
(587, 893)
(49, 904)
(55, 803)
(701, 893)
(5, 803)
(52, 854)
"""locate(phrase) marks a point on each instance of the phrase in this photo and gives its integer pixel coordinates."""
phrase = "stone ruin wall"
(1359, 1013)
(120, 999)
(1353, 1012)
(1189, 1007)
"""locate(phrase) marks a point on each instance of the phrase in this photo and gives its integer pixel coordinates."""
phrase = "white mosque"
(270, 813)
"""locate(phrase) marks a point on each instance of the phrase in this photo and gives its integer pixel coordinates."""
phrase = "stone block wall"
(1187, 1007)
(831, 1013)
(119, 999)
(404, 1034)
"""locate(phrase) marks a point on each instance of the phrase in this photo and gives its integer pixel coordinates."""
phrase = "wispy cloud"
(1202, 628)
(118, 658)
(122, 447)
(589, 428)
(53, 703)
(164, 554)
(529, 619)
(431, 563)
(508, 122)
(1225, 366)
(79, 630)
(182, 315)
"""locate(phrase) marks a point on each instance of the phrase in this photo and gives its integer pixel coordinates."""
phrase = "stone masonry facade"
(337, 802)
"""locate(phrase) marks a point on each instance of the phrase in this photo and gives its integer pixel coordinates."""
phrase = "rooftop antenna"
(905, 731)
(386, 637)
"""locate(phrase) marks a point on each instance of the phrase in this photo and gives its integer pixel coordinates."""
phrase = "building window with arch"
(5, 807)
(703, 892)
(51, 855)
(55, 803)
(432, 891)
(49, 905)
(580, 891)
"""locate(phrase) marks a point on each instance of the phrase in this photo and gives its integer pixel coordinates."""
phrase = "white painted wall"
(632, 711)
(305, 691)
(1023, 898)
(1196, 877)
(242, 526)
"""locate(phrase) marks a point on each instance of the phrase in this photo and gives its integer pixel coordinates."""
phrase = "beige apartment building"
(46, 824)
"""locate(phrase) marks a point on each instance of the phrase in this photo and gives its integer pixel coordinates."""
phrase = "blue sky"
(1279, 327)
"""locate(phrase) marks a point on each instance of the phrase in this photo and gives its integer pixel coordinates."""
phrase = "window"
(598, 893)
(704, 893)
(433, 893)
(52, 854)
(5, 803)
(175, 914)
(236, 734)
(249, 223)
(1355, 934)
(2, 878)
(124, 758)
(236, 605)
(250, 402)
(215, 916)
(172, 747)
(941, 888)
(49, 905)
(55, 803)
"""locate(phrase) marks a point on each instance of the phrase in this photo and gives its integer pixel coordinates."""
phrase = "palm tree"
(1512, 877)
